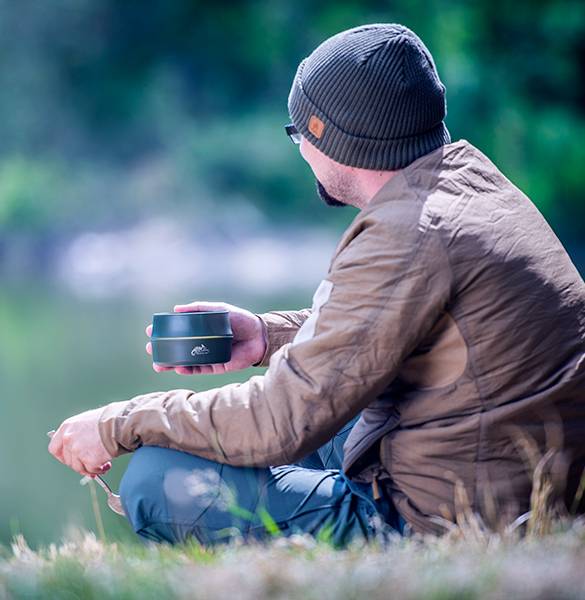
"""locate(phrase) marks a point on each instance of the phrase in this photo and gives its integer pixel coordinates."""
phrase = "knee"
(141, 487)
(161, 494)
(140, 478)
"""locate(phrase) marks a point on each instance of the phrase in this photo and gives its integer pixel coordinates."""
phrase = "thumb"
(199, 306)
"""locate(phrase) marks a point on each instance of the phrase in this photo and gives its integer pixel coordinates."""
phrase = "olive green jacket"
(450, 317)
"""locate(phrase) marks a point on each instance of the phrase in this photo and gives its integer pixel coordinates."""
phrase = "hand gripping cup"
(186, 339)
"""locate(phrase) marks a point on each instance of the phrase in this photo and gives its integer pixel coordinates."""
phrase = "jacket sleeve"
(280, 327)
(386, 286)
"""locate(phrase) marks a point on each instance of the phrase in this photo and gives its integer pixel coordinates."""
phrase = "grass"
(454, 566)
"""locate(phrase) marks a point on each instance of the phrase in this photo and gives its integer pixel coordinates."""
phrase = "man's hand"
(248, 343)
(77, 444)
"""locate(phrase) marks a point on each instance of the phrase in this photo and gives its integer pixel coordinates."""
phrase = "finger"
(149, 330)
(199, 369)
(58, 455)
(159, 368)
(148, 348)
(78, 466)
(67, 452)
(198, 306)
(56, 444)
(217, 368)
(97, 469)
(184, 370)
(76, 461)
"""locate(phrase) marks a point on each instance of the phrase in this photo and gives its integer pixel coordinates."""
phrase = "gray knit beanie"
(370, 97)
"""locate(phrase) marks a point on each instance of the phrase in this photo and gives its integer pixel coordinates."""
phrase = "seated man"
(448, 330)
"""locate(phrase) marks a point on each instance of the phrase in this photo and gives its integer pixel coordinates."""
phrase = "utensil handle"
(103, 484)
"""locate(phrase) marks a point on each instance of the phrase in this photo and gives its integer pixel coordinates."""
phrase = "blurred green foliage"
(115, 110)
(27, 187)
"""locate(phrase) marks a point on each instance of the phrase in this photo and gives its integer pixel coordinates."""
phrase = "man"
(448, 335)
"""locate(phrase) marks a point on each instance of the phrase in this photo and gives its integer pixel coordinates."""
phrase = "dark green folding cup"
(191, 338)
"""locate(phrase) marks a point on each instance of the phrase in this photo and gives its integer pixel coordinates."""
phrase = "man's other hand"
(248, 343)
(77, 444)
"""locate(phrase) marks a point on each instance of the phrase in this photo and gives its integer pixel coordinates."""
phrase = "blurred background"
(143, 163)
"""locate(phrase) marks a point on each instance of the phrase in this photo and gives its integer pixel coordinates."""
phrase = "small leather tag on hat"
(316, 126)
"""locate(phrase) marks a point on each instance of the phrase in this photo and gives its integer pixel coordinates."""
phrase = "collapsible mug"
(184, 339)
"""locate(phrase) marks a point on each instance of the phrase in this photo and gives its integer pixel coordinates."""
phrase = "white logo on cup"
(201, 349)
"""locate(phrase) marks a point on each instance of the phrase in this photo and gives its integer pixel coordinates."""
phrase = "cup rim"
(191, 337)
(191, 312)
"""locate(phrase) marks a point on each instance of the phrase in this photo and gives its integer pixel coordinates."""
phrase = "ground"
(467, 563)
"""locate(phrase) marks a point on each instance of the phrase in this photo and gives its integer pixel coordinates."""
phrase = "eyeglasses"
(293, 133)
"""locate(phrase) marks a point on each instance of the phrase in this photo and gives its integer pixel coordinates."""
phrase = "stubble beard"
(327, 197)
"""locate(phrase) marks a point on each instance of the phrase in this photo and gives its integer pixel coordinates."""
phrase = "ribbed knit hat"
(370, 97)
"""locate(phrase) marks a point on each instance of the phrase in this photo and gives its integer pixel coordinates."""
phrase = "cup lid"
(191, 324)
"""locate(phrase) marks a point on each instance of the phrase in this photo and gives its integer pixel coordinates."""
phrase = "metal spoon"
(114, 500)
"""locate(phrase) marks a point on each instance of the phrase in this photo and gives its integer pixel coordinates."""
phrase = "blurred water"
(159, 254)
(60, 356)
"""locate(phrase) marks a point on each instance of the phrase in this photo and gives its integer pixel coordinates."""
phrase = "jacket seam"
(472, 366)
(374, 315)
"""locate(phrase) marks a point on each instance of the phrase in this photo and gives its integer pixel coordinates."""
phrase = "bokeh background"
(143, 163)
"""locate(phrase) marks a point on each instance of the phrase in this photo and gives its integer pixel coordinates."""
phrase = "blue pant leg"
(311, 461)
(170, 496)
(330, 455)
(321, 503)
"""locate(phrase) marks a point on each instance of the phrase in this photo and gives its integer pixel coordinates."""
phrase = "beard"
(326, 197)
